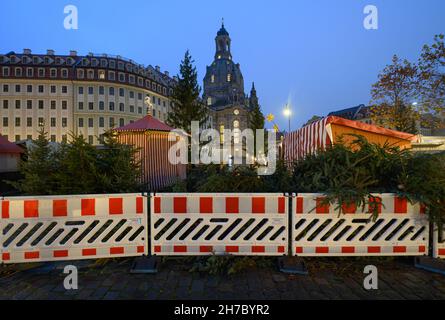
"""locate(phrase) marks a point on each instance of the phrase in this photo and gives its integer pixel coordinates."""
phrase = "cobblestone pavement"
(327, 279)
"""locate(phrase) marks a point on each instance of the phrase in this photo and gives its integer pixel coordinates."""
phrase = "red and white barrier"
(319, 230)
(205, 224)
(438, 243)
(73, 227)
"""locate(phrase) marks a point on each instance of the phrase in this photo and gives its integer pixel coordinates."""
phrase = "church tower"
(224, 88)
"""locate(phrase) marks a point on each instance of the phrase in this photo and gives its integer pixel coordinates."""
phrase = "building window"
(132, 109)
(90, 122)
(90, 90)
(121, 122)
(131, 94)
(41, 122)
(111, 122)
(90, 74)
(121, 77)
(6, 72)
(5, 122)
(121, 107)
(80, 74)
(29, 104)
(64, 104)
(64, 138)
(17, 88)
(80, 122)
(53, 105)
(41, 73)
(53, 138)
(64, 73)
(41, 104)
(101, 105)
(101, 122)
(101, 90)
(18, 104)
(41, 89)
(209, 101)
(131, 79)
(18, 72)
(111, 91)
(111, 106)
(121, 92)
(212, 79)
(5, 88)
(53, 122)
(30, 72)
(102, 75)
(53, 89)
(90, 139)
(53, 73)
(229, 77)
(90, 105)
(111, 75)
(17, 138)
(17, 122)
(64, 122)
(80, 90)
(140, 110)
(29, 88)
(64, 89)
(5, 104)
(80, 105)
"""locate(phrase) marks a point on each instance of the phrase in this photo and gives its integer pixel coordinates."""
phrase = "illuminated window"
(213, 78)
(229, 77)
(209, 101)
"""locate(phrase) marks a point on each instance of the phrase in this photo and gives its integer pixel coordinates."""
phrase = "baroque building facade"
(81, 94)
(224, 89)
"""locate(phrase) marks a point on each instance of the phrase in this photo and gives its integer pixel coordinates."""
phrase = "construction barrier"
(205, 224)
(439, 243)
(319, 230)
(73, 227)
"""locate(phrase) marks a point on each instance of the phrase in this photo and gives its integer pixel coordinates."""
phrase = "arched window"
(209, 101)
(212, 78)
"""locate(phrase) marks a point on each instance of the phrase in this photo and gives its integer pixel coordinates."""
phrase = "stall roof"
(146, 123)
(8, 147)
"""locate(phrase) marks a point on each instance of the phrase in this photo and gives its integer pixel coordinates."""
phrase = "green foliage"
(187, 106)
(229, 265)
(38, 168)
(78, 167)
(351, 174)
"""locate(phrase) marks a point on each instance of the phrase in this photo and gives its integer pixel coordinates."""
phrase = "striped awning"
(318, 135)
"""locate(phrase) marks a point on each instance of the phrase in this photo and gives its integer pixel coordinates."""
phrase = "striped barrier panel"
(73, 227)
(206, 224)
(319, 230)
(439, 243)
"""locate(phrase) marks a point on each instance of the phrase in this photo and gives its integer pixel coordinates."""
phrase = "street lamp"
(288, 112)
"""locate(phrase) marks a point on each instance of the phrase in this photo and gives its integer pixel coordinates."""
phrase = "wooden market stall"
(327, 131)
(9, 156)
(151, 137)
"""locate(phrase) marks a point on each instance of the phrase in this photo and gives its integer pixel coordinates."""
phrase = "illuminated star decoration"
(270, 118)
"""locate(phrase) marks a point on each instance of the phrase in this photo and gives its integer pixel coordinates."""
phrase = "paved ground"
(328, 279)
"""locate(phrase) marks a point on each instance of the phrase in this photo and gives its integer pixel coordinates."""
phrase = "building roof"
(146, 123)
(9, 147)
(223, 31)
(349, 113)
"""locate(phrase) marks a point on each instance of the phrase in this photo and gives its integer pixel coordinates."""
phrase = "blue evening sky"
(314, 52)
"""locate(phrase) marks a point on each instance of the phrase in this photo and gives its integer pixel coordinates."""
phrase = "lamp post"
(288, 112)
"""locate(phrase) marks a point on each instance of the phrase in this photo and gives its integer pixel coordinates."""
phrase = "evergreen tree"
(118, 169)
(187, 106)
(256, 117)
(38, 168)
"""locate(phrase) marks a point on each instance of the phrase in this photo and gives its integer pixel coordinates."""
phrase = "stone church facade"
(224, 88)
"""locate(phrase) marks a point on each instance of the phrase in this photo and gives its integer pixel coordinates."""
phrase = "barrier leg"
(289, 264)
(146, 264)
(430, 264)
